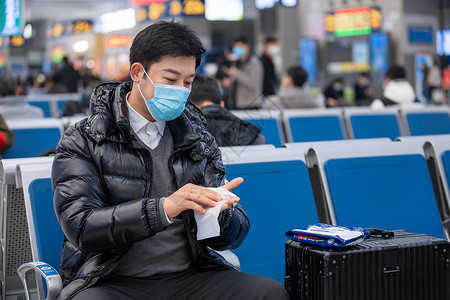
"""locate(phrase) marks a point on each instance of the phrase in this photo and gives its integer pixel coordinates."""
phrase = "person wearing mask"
(6, 137)
(363, 92)
(334, 93)
(397, 89)
(270, 54)
(128, 179)
(292, 92)
(227, 129)
(244, 78)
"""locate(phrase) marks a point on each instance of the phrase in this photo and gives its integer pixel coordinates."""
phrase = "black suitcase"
(408, 266)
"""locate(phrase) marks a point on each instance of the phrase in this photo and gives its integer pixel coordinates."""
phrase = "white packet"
(208, 223)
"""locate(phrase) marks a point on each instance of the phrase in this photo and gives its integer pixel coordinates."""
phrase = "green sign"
(10, 17)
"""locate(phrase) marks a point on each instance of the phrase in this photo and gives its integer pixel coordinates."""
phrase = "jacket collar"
(110, 119)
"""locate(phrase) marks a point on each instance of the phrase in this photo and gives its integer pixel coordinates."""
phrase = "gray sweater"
(167, 251)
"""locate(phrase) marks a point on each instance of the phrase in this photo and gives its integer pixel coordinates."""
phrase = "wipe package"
(326, 235)
(208, 223)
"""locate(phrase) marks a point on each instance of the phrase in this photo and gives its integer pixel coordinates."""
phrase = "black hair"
(298, 75)
(7, 86)
(205, 88)
(396, 72)
(270, 39)
(165, 38)
(241, 39)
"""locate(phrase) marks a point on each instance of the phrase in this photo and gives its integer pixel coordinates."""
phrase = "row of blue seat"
(33, 137)
(53, 104)
(353, 123)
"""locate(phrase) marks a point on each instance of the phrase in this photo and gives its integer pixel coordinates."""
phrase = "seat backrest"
(269, 121)
(43, 102)
(46, 236)
(426, 121)
(276, 195)
(228, 153)
(14, 240)
(35, 181)
(34, 136)
(385, 186)
(313, 125)
(365, 123)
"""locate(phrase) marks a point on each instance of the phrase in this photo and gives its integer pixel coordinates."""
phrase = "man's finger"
(233, 183)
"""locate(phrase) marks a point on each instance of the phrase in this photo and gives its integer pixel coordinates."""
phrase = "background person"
(292, 92)
(397, 89)
(271, 50)
(227, 129)
(364, 93)
(334, 93)
(244, 80)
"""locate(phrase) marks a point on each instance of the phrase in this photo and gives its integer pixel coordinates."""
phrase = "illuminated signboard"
(10, 17)
(16, 41)
(59, 29)
(224, 10)
(58, 53)
(261, 4)
(117, 41)
(2, 61)
(170, 9)
(353, 21)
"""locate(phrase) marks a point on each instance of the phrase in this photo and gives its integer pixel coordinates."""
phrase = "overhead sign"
(17, 41)
(170, 9)
(117, 41)
(11, 17)
(262, 4)
(224, 10)
(60, 29)
(353, 21)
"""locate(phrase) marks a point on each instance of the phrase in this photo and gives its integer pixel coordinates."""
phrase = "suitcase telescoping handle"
(375, 232)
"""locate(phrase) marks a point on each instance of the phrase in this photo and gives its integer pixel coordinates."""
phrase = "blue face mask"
(169, 101)
(238, 51)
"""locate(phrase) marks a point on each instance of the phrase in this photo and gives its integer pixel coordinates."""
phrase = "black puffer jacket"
(101, 179)
(229, 130)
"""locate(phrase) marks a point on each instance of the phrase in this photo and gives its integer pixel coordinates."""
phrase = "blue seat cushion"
(315, 128)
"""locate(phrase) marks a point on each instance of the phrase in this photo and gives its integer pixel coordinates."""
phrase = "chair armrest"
(446, 225)
(51, 276)
(228, 256)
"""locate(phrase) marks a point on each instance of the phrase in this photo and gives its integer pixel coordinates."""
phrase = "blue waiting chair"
(268, 120)
(34, 136)
(366, 123)
(425, 121)
(386, 186)
(276, 195)
(437, 153)
(14, 235)
(46, 236)
(309, 125)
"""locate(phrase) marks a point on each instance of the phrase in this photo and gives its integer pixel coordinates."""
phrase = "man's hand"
(191, 196)
(229, 186)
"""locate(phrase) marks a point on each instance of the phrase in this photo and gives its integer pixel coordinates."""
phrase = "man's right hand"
(190, 196)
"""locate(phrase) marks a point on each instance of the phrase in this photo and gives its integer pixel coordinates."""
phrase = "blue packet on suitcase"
(326, 235)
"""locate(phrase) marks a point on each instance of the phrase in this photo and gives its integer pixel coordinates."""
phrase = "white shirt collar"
(138, 122)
